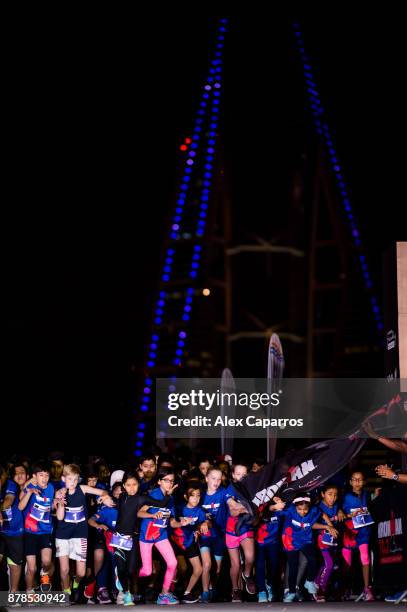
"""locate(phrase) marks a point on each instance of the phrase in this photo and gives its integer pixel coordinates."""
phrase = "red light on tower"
(188, 140)
(183, 147)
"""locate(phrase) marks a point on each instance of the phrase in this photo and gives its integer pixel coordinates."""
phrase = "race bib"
(163, 522)
(328, 539)
(125, 542)
(7, 515)
(40, 512)
(362, 520)
(75, 515)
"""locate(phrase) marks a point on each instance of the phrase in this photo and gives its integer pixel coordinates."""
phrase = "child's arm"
(107, 500)
(93, 523)
(235, 508)
(26, 498)
(183, 522)
(142, 513)
(278, 505)
(327, 528)
(60, 514)
(7, 502)
(203, 528)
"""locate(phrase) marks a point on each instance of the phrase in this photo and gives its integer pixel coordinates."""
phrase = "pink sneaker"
(368, 594)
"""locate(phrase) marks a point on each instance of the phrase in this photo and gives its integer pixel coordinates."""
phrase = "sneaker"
(128, 599)
(75, 596)
(311, 587)
(205, 597)
(103, 596)
(45, 583)
(269, 589)
(396, 597)
(289, 597)
(190, 598)
(262, 597)
(319, 596)
(299, 595)
(236, 596)
(91, 601)
(249, 584)
(89, 591)
(120, 598)
(368, 595)
(167, 599)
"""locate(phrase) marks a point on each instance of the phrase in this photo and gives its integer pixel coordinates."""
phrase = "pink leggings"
(363, 551)
(165, 549)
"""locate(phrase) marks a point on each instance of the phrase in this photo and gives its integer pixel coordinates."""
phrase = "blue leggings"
(267, 557)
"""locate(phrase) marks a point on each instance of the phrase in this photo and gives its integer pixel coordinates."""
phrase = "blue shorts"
(215, 545)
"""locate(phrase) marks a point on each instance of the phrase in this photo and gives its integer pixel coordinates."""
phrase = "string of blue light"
(322, 129)
(211, 88)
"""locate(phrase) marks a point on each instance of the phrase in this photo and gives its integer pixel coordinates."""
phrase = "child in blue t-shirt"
(36, 504)
(11, 529)
(153, 532)
(268, 546)
(357, 529)
(185, 538)
(300, 519)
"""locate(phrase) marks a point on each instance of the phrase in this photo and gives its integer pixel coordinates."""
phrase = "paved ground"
(251, 607)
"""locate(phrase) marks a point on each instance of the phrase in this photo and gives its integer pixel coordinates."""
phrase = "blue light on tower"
(322, 129)
(210, 99)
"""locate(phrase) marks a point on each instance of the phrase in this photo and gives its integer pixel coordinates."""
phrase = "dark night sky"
(94, 122)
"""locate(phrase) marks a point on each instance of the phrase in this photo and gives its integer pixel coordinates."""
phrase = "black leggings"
(293, 558)
(127, 563)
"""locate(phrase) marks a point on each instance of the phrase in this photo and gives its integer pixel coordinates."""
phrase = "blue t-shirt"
(184, 536)
(106, 516)
(13, 522)
(297, 529)
(216, 511)
(353, 537)
(155, 530)
(37, 513)
(333, 516)
(269, 528)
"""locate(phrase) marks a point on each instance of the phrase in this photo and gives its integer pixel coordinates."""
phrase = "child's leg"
(15, 574)
(146, 552)
(272, 551)
(206, 568)
(80, 569)
(121, 564)
(99, 565)
(166, 551)
(326, 569)
(309, 553)
(261, 567)
(234, 566)
(64, 572)
(31, 569)
(46, 561)
(196, 573)
(365, 560)
(292, 558)
(248, 548)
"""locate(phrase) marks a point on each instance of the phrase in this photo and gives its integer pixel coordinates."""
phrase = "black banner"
(389, 540)
(301, 470)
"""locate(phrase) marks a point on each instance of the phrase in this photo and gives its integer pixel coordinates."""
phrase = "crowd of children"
(160, 531)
